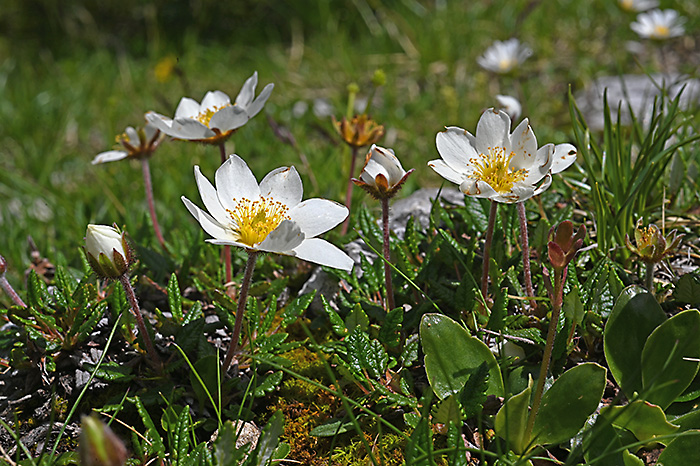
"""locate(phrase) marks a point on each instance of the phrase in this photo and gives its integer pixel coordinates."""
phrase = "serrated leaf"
(296, 308)
(154, 445)
(367, 354)
(369, 275)
(448, 411)
(181, 439)
(175, 298)
(337, 323)
(38, 295)
(357, 318)
(331, 428)
(410, 351)
(112, 371)
(269, 439)
(455, 441)
(473, 395)
(390, 331)
(268, 385)
(225, 451)
(498, 311)
(687, 289)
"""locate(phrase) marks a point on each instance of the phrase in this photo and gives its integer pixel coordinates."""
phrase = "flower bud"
(107, 251)
(360, 131)
(564, 244)
(651, 246)
(382, 175)
(99, 446)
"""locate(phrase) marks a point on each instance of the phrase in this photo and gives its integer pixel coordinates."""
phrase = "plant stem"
(240, 310)
(148, 185)
(487, 250)
(387, 256)
(227, 249)
(527, 274)
(133, 302)
(348, 191)
(559, 277)
(10, 291)
(649, 277)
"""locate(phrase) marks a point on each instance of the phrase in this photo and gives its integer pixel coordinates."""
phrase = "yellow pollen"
(254, 220)
(206, 115)
(494, 168)
(661, 31)
(505, 64)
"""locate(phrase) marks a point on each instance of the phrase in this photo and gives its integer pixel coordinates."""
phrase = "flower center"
(661, 31)
(206, 115)
(254, 220)
(506, 64)
(494, 168)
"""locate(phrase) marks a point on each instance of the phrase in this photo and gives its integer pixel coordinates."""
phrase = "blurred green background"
(74, 74)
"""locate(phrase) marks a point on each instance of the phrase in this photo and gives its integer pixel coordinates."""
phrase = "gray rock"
(419, 204)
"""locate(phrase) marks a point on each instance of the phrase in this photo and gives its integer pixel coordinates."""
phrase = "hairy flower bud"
(382, 175)
(99, 446)
(564, 244)
(360, 131)
(651, 246)
(107, 251)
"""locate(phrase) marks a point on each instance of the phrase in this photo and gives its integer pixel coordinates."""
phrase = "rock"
(419, 205)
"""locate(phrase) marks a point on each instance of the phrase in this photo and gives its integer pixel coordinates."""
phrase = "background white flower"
(638, 5)
(496, 164)
(659, 24)
(137, 142)
(216, 118)
(504, 56)
(510, 105)
(268, 217)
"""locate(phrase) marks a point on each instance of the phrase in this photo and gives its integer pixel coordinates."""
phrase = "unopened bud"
(99, 446)
(564, 244)
(107, 251)
(651, 246)
(379, 77)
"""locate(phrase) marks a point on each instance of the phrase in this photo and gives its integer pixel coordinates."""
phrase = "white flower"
(106, 251)
(638, 5)
(216, 118)
(269, 217)
(138, 143)
(504, 56)
(658, 25)
(496, 164)
(382, 176)
(510, 105)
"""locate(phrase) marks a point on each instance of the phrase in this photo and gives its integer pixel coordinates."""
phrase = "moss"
(387, 449)
(300, 418)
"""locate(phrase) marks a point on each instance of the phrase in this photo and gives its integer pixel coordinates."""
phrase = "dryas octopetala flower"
(382, 176)
(216, 118)
(658, 25)
(269, 217)
(107, 251)
(510, 105)
(496, 164)
(138, 143)
(502, 57)
(360, 131)
(651, 246)
(638, 5)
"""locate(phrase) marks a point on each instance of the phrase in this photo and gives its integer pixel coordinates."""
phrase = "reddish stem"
(348, 191)
(527, 274)
(133, 302)
(227, 248)
(240, 310)
(148, 185)
(387, 256)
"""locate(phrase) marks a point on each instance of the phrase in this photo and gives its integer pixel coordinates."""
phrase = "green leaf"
(498, 311)
(357, 318)
(270, 438)
(682, 451)
(38, 295)
(666, 370)
(331, 428)
(410, 351)
(473, 395)
(111, 371)
(296, 308)
(687, 289)
(390, 331)
(268, 385)
(367, 354)
(573, 306)
(182, 439)
(420, 444)
(451, 356)
(336, 322)
(511, 420)
(154, 443)
(642, 418)
(455, 441)
(175, 298)
(634, 317)
(448, 411)
(225, 451)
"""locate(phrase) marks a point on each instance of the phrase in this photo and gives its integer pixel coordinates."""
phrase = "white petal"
(214, 100)
(257, 105)
(235, 181)
(211, 226)
(283, 185)
(492, 130)
(228, 118)
(210, 198)
(446, 171)
(322, 252)
(545, 184)
(230, 242)
(477, 188)
(316, 216)
(187, 108)
(541, 165)
(518, 193)
(245, 97)
(109, 156)
(132, 135)
(283, 239)
(455, 148)
(150, 131)
(564, 157)
(161, 122)
(524, 144)
(189, 129)
(388, 164)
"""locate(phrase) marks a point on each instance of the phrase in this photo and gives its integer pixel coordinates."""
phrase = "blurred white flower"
(504, 56)
(510, 105)
(106, 251)
(638, 5)
(496, 164)
(659, 25)
(382, 176)
(138, 143)
(269, 217)
(216, 118)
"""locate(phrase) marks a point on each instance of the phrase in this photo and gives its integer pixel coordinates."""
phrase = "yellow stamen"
(505, 64)
(206, 115)
(494, 168)
(661, 31)
(254, 220)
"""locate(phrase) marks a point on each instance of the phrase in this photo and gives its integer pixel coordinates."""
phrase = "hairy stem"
(133, 302)
(5, 285)
(387, 256)
(148, 185)
(487, 250)
(240, 309)
(348, 191)
(527, 274)
(227, 249)
(649, 277)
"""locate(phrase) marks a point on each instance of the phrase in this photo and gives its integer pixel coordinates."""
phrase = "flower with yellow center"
(502, 57)
(496, 164)
(659, 25)
(216, 118)
(138, 143)
(638, 5)
(268, 217)
(360, 131)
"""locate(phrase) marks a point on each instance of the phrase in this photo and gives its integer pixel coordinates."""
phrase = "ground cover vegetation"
(465, 250)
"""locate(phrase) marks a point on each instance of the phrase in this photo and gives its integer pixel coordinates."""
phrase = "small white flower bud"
(107, 251)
